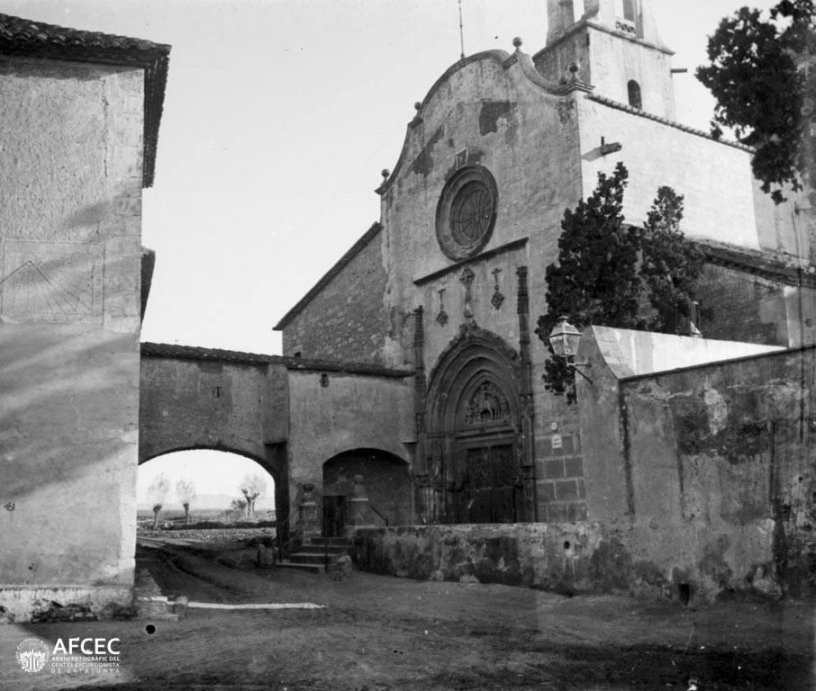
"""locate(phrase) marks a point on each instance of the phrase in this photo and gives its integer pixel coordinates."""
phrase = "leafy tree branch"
(759, 89)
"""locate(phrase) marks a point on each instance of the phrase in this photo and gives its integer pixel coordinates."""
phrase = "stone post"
(309, 518)
(359, 505)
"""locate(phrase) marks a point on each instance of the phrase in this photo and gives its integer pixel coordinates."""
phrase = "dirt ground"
(377, 633)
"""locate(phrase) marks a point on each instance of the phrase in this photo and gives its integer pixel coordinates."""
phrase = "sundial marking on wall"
(51, 282)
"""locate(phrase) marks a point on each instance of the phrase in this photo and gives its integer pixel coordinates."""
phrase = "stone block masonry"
(345, 319)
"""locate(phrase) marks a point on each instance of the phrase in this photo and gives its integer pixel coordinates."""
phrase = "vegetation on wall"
(613, 274)
(760, 92)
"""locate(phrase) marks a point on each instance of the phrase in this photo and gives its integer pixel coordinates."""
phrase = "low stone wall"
(570, 558)
(210, 535)
(543, 555)
(65, 603)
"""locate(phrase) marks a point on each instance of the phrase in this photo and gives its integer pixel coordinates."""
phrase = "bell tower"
(618, 50)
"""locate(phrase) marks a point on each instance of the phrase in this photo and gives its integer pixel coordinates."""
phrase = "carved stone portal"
(475, 428)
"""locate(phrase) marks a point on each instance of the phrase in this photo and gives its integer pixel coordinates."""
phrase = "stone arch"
(273, 463)
(267, 464)
(474, 443)
(387, 483)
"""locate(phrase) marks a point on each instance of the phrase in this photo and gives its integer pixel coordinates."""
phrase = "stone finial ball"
(574, 67)
(385, 172)
(358, 479)
(517, 42)
(418, 105)
(308, 487)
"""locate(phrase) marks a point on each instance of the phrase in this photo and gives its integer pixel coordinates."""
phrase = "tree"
(238, 505)
(157, 492)
(252, 487)
(607, 271)
(760, 92)
(185, 491)
(670, 265)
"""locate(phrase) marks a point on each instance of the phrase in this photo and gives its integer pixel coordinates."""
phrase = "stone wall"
(345, 318)
(189, 404)
(704, 475)
(739, 305)
(554, 556)
(70, 194)
(724, 456)
(570, 558)
(332, 413)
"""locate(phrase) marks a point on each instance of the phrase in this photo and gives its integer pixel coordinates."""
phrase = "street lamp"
(564, 339)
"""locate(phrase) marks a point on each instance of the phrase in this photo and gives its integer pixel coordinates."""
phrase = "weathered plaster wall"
(608, 61)
(739, 305)
(785, 227)
(715, 178)
(70, 252)
(736, 483)
(188, 404)
(704, 475)
(332, 413)
(346, 320)
(479, 113)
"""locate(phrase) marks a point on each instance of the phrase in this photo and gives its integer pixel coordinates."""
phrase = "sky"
(279, 117)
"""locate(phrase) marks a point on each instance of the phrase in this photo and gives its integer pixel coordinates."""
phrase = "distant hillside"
(207, 502)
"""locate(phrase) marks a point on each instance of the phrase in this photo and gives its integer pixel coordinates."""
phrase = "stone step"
(331, 541)
(309, 568)
(309, 558)
(323, 550)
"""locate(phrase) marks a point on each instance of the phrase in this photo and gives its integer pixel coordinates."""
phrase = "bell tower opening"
(635, 99)
(615, 43)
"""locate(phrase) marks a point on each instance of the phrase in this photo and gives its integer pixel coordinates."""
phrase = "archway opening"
(479, 469)
(387, 484)
(217, 487)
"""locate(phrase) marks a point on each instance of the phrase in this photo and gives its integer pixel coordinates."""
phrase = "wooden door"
(492, 477)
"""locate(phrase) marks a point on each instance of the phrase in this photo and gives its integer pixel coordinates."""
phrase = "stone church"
(452, 277)
(408, 409)
(449, 283)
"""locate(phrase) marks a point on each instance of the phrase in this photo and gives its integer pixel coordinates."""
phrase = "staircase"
(317, 554)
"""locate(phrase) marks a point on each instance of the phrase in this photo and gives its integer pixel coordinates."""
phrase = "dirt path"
(378, 633)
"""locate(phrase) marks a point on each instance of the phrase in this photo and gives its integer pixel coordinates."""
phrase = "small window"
(625, 9)
(635, 99)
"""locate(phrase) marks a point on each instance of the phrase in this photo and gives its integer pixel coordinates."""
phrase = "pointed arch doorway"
(476, 448)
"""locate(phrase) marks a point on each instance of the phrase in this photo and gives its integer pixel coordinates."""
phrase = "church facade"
(449, 284)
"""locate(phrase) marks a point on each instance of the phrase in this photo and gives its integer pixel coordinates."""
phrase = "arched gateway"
(480, 470)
